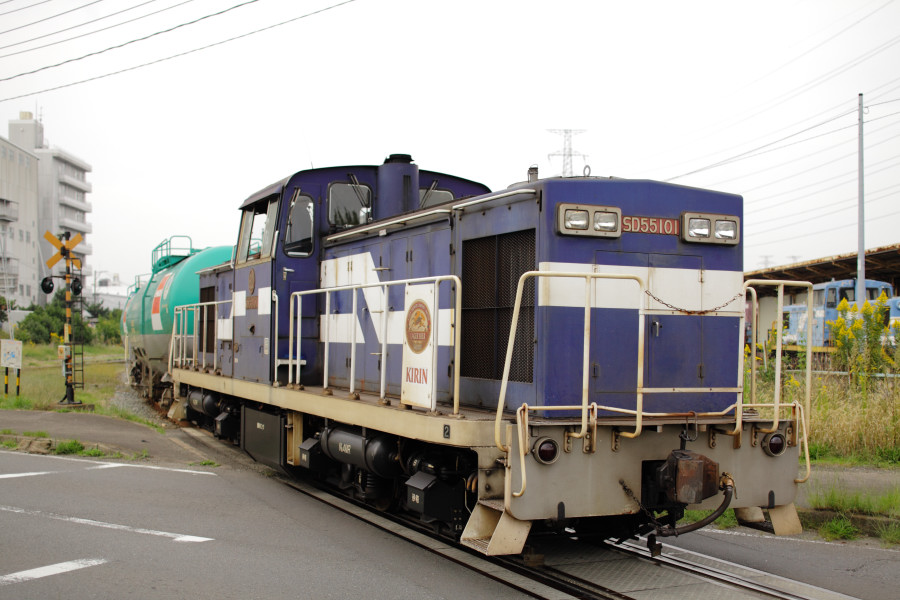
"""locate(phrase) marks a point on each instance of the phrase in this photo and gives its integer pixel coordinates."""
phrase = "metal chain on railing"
(696, 312)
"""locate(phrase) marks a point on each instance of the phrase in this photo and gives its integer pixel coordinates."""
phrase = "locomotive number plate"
(659, 225)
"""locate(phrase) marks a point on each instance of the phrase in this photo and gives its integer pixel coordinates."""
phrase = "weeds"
(35, 434)
(839, 528)
(9, 444)
(889, 534)
(69, 447)
(840, 500)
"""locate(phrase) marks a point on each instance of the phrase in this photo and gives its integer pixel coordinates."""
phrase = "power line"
(9, 12)
(51, 17)
(820, 214)
(146, 37)
(798, 158)
(805, 235)
(803, 187)
(52, 33)
(758, 150)
(147, 64)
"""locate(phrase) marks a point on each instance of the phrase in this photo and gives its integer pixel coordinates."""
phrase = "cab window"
(432, 196)
(298, 234)
(257, 230)
(349, 204)
(831, 301)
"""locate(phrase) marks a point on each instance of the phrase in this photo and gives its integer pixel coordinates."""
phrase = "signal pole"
(64, 244)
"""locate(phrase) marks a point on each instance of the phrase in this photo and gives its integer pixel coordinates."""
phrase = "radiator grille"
(491, 267)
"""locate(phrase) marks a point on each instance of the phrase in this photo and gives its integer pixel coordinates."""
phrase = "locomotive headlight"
(698, 228)
(589, 220)
(606, 221)
(545, 450)
(705, 228)
(726, 230)
(576, 219)
(774, 444)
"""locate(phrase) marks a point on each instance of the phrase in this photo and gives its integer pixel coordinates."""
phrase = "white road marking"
(177, 537)
(97, 465)
(12, 475)
(72, 565)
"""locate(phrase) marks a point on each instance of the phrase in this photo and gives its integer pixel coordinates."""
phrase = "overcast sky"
(756, 98)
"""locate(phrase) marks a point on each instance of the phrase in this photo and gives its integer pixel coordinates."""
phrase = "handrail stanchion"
(327, 337)
(291, 341)
(353, 343)
(382, 392)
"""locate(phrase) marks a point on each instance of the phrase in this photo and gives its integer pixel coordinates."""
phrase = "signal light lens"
(774, 444)
(545, 450)
(47, 285)
(76, 286)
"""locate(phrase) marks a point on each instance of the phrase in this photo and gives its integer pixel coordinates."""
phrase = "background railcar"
(825, 300)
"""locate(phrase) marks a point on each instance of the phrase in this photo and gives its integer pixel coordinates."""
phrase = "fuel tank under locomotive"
(433, 483)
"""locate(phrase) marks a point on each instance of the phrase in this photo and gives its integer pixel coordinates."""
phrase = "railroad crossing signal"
(64, 249)
(64, 243)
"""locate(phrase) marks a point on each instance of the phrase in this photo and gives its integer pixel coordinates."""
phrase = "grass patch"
(35, 434)
(726, 521)
(43, 386)
(9, 444)
(205, 463)
(7, 432)
(885, 504)
(849, 424)
(889, 534)
(69, 447)
(839, 528)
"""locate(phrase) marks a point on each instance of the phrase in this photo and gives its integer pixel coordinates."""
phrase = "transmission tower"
(567, 153)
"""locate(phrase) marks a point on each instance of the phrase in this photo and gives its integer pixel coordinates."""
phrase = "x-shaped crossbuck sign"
(68, 245)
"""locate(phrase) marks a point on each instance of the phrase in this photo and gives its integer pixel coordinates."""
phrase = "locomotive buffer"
(64, 245)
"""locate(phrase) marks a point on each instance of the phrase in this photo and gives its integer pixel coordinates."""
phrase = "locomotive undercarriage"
(433, 485)
(442, 485)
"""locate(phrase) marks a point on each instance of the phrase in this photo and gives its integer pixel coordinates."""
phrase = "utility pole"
(861, 257)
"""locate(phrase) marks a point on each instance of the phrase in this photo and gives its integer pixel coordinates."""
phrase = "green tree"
(109, 327)
(44, 321)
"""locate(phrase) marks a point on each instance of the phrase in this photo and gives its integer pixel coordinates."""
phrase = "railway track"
(557, 568)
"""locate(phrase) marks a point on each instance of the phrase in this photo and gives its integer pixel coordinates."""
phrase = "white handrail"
(586, 352)
(296, 312)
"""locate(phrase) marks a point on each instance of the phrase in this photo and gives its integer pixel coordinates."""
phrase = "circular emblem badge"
(418, 326)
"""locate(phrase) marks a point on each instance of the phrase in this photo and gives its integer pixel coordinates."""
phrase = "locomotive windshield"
(349, 204)
(257, 230)
(298, 240)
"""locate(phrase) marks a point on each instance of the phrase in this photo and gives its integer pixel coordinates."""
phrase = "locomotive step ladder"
(493, 531)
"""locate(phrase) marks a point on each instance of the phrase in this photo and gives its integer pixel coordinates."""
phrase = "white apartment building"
(20, 267)
(62, 205)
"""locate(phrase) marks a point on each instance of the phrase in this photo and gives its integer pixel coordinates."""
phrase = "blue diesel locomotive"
(562, 354)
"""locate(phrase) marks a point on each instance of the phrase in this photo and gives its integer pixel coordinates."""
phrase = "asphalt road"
(78, 528)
